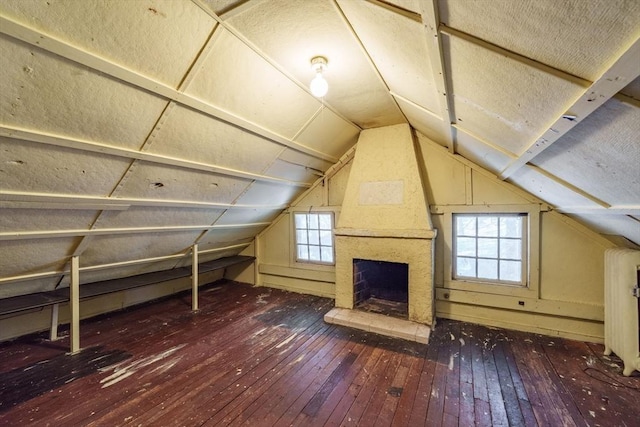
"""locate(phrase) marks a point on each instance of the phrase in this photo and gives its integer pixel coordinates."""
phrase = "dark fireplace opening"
(381, 287)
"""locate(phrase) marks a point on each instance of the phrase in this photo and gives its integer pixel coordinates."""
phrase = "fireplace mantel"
(397, 234)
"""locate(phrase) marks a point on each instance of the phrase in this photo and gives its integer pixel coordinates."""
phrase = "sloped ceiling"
(133, 130)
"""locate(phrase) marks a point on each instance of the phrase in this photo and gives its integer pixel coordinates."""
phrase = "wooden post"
(53, 332)
(74, 304)
(194, 278)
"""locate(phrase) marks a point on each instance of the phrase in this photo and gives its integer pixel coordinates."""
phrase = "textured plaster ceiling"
(132, 130)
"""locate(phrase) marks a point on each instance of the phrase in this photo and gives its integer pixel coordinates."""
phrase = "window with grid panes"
(490, 248)
(314, 237)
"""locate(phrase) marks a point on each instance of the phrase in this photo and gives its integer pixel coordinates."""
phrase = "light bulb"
(319, 86)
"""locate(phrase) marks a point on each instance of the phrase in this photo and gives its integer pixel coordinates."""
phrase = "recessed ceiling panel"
(127, 247)
(223, 6)
(412, 5)
(146, 36)
(247, 216)
(548, 189)
(298, 158)
(481, 153)
(633, 89)
(34, 167)
(190, 135)
(139, 216)
(600, 155)
(398, 47)
(224, 237)
(329, 134)
(238, 80)
(501, 100)
(268, 194)
(578, 36)
(21, 257)
(617, 225)
(292, 171)
(40, 91)
(154, 181)
(424, 122)
(45, 219)
(291, 32)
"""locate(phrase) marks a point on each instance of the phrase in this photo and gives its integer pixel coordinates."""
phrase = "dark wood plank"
(438, 387)
(508, 391)
(404, 407)
(338, 415)
(423, 393)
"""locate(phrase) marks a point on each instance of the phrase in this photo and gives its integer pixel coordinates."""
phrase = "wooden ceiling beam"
(20, 199)
(433, 36)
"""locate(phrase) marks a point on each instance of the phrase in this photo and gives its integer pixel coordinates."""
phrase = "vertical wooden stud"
(468, 185)
(194, 278)
(74, 303)
(53, 332)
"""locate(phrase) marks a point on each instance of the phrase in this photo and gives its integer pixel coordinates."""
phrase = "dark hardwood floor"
(263, 357)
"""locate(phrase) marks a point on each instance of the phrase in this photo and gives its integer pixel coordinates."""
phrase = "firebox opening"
(381, 287)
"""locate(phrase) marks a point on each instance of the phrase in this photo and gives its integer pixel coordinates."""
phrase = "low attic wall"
(566, 295)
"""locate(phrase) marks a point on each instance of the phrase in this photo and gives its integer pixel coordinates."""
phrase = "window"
(490, 248)
(314, 237)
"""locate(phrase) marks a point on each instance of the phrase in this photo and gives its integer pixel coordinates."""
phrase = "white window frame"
(522, 240)
(530, 285)
(294, 252)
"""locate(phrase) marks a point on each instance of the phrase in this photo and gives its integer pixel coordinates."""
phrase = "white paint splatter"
(461, 341)
(452, 337)
(451, 362)
(287, 341)
(261, 299)
(593, 414)
(259, 332)
(120, 373)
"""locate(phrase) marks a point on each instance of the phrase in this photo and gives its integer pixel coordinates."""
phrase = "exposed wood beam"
(413, 104)
(64, 206)
(194, 277)
(68, 201)
(48, 234)
(46, 274)
(620, 74)
(397, 9)
(74, 304)
(431, 25)
(489, 144)
(629, 210)
(238, 8)
(65, 50)
(98, 147)
(569, 186)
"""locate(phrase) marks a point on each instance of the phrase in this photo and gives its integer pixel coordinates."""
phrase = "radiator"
(622, 306)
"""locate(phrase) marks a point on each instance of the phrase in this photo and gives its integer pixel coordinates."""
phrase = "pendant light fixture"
(319, 85)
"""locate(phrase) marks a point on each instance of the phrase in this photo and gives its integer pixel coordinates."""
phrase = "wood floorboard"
(264, 357)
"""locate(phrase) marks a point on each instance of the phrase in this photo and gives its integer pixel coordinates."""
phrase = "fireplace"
(381, 287)
(385, 225)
